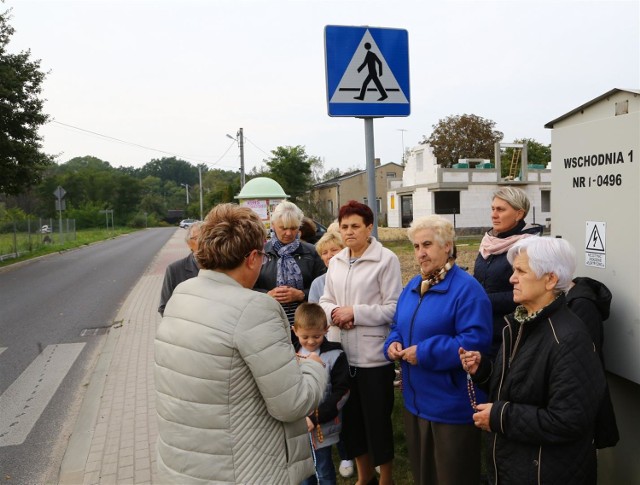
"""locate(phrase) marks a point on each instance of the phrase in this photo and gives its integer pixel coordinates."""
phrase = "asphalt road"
(45, 358)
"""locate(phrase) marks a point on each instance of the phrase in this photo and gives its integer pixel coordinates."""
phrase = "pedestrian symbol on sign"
(371, 61)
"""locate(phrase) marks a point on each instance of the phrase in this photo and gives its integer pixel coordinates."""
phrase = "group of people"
(278, 350)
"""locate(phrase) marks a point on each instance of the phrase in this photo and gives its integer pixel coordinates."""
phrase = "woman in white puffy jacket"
(231, 395)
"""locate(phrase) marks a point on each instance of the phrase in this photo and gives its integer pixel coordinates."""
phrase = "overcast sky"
(176, 76)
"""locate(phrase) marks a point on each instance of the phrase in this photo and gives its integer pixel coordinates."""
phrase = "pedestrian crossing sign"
(367, 71)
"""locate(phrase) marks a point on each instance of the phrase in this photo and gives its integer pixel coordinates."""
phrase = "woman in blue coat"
(440, 310)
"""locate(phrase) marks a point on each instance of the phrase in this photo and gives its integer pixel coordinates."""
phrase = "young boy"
(324, 424)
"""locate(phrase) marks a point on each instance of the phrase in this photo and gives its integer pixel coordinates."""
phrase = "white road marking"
(2, 349)
(22, 404)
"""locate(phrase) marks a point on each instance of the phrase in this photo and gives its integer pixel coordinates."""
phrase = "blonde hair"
(442, 228)
(288, 214)
(310, 316)
(515, 197)
(327, 239)
(228, 235)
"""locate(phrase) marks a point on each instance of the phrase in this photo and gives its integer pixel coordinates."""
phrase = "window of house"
(365, 201)
(545, 200)
(391, 175)
(447, 202)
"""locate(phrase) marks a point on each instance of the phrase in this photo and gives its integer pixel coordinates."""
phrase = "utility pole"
(402, 130)
(186, 186)
(240, 139)
(200, 178)
(241, 145)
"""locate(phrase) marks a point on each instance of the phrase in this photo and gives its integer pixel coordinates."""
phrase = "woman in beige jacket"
(231, 395)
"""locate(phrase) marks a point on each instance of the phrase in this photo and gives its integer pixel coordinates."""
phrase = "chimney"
(376, 162)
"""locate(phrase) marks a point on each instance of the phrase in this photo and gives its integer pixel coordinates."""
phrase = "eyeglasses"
(265, 258)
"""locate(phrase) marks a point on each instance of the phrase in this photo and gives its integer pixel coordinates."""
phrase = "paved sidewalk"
(114, 438)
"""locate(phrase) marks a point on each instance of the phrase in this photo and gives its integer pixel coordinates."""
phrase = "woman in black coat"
(509, 207)
(290, 264)
(546, 384)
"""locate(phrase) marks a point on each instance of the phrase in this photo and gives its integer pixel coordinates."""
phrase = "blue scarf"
(289, 273)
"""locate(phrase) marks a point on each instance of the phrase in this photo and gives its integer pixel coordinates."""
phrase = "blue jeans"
(324, 469)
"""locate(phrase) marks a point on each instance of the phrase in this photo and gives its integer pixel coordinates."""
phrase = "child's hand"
(310, 425)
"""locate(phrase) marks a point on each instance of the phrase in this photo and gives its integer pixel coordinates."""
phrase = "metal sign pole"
(371, 172)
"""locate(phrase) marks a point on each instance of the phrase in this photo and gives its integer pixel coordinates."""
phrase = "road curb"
(75, 457)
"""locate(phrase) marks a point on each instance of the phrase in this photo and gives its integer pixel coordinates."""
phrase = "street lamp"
(240, 139)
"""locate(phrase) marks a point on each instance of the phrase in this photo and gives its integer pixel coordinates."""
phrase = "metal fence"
(19, 237)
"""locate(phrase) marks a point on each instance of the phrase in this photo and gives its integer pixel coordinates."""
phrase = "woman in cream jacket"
(231, 395)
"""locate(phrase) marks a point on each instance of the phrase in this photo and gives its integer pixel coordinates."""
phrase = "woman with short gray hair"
(546, 383)
(291, 264)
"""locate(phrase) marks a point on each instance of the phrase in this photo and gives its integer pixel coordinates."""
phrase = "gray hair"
(442, 229)
(195, 225)
(288, 214)
(515, 197)
(547, 255)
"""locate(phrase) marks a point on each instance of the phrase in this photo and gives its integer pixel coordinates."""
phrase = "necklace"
(472, 393)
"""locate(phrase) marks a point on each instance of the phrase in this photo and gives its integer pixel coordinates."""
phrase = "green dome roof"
(262, 188)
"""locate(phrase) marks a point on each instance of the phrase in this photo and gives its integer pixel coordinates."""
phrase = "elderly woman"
(509, 207)
(291, 264)
(440, 310)
(546, 384)
(231, 396)
(360, 295)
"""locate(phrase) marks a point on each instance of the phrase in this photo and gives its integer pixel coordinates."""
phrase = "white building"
(463, 193)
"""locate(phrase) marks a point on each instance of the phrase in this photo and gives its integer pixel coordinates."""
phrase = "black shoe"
(358, 97)
(382, 98)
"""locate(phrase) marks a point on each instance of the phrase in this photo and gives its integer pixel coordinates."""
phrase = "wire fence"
(18, 237)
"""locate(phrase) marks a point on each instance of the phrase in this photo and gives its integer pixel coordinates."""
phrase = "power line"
(125, 142)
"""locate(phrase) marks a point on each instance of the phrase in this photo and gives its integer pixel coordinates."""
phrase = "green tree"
(463, 136)
(171, 168)
(332, 173)
(21, 160)
(291, 167)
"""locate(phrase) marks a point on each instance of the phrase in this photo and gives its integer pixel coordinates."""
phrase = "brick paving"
(119, 440)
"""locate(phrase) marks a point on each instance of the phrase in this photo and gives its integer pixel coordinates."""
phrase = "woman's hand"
(482, 419)
(314, 357)
(394, 351)
(470, 360)
(310, 425)
(410, 355)
(286, 294)
(343, 317)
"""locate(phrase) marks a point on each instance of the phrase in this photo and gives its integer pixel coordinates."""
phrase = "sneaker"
(378, 470)
(346, 468)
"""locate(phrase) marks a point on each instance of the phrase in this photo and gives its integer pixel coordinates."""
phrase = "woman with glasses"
(290, 264)
(232, 396)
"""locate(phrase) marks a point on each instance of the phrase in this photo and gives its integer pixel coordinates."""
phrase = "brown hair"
(310, 316)
(308, 229)
(356, 208)
(228, 235)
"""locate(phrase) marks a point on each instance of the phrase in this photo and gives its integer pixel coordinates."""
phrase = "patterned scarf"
(434, 277)
(497, 245)
(289, 273)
